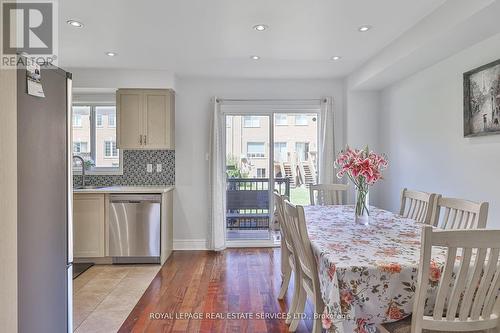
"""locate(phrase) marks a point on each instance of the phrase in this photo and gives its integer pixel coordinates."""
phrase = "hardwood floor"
(242, 282)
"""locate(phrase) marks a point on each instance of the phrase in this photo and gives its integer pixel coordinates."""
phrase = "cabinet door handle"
(144, 139)
(140, 139)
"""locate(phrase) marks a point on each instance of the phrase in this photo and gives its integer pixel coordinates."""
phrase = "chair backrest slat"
(469, 283)
(444, 284)
(327, 194)
(280, 209)
(459, 214)
(488, 272)
(417, 205)
(296, 224)
(459, 286)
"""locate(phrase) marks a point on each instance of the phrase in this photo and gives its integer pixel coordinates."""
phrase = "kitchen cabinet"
(145, 118)
(88, 225)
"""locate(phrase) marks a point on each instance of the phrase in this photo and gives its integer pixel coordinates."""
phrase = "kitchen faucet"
(83, 168)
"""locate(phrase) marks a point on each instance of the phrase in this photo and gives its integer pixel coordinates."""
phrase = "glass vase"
(362, 207)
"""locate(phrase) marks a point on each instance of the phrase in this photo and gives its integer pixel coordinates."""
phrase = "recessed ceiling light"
(255, 57)
(364, 28)
(111, 54)
(336, 57)
(74, 23)
(260, 27)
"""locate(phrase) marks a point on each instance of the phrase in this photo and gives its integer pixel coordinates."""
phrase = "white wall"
(193, 111)
(106, 80)
(363, 128)
(422, 132)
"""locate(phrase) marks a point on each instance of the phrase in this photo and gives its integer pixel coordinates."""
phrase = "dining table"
(367, 272)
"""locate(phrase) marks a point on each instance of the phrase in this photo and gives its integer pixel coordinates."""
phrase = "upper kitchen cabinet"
(145, 118)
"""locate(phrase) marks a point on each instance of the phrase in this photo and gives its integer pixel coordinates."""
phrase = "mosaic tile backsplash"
(134, 170)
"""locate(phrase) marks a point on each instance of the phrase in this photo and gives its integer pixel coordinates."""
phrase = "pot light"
(260, 27)
(74, 23)
(336, 58)
(111, 54)
(364, 28)
(255, 57)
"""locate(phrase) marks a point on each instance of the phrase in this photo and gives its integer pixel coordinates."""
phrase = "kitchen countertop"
(126, 189)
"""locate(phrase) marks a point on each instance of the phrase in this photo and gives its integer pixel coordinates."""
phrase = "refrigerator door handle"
(69, 152)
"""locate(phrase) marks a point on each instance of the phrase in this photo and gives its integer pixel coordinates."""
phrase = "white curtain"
(326, 170)
(217, 181)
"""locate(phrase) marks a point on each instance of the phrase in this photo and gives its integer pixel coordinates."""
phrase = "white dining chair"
(326, 194)
(466, 296)
(306, 268)
(452, 213)
(417, 205)
(287, 256)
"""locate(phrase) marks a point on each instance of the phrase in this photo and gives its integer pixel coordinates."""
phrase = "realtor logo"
(28, 28)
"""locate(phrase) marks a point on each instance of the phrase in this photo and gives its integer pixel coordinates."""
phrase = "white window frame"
(111, 142)
(97, 118)
(306, 144)
(279, 151)
(256, 155)
(80, 147)
(254, 122)
(76, 123)
(114, 121)
(104, 171)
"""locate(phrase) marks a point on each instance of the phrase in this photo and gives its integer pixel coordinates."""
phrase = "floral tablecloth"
(367, 273)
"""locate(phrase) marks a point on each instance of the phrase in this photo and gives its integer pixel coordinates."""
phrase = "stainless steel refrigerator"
(44, 204)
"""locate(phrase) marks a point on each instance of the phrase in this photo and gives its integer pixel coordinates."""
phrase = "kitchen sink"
(88, 187)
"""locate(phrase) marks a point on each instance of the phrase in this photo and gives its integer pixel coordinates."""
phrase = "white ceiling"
(215, 37)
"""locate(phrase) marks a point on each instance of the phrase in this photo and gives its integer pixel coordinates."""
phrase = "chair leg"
(285, 282)
(299, 308)
(295, 297)
(319, 307)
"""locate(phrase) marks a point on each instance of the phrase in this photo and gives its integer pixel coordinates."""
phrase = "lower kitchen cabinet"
(88, 225)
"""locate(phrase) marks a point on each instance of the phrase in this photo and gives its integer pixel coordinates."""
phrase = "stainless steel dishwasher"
(134, 228)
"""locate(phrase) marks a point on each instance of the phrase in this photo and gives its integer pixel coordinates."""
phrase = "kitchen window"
(256, 150)
(94, 138)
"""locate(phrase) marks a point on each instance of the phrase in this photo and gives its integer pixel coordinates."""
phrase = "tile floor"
(104, 295)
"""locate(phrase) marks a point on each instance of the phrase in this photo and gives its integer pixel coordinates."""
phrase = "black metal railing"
(248, 200)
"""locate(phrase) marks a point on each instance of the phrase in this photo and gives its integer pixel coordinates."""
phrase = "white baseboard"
(251, 243)
(190, 244)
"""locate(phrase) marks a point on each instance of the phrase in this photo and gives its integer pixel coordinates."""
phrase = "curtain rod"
(270, 100)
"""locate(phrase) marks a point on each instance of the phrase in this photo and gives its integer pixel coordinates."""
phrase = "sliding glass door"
(267, 151)
(295, 138)
(247, 169)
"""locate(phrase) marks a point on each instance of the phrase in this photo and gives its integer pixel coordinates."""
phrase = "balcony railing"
(248, 200)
